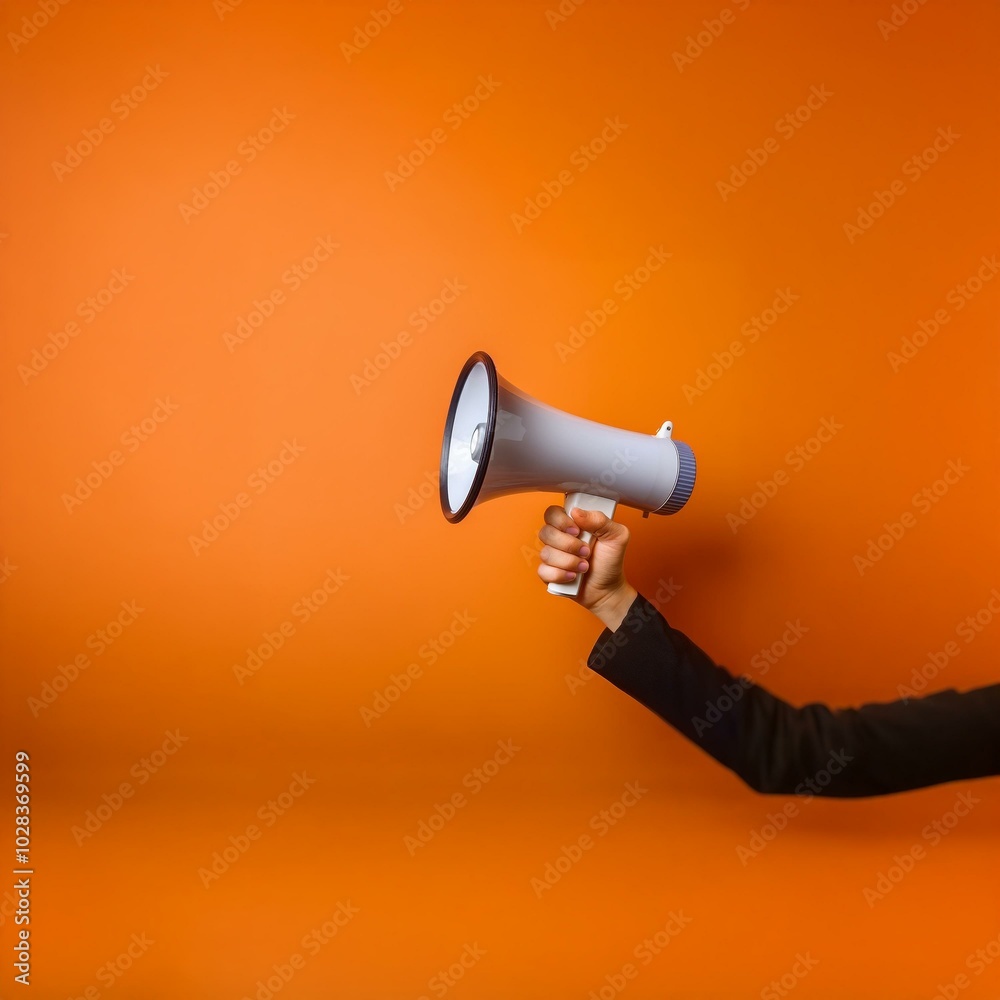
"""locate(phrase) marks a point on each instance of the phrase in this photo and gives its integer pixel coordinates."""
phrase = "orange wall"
(257, 138)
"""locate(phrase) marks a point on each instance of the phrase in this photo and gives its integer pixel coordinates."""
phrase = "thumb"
(598, 524)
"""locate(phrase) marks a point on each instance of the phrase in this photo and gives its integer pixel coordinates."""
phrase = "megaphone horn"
(499, 440)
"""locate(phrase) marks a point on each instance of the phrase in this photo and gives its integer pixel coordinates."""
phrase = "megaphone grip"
(585, 501)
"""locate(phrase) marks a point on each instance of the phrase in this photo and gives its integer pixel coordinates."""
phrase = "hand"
(604, 591)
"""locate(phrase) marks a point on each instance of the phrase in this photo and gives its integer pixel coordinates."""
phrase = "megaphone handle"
(585, 501)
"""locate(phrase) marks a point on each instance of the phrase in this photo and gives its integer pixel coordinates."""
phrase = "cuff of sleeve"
(640, 613)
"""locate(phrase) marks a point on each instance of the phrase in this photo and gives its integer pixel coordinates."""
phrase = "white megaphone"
(499, 440)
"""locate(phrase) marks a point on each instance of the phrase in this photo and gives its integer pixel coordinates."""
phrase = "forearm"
(776, 748)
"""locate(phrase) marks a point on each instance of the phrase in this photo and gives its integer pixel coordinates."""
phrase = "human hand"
(604, 590)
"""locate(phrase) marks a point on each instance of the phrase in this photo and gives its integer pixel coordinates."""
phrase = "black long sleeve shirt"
(776, 748)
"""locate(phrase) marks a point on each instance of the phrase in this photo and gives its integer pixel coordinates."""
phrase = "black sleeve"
(778, 749)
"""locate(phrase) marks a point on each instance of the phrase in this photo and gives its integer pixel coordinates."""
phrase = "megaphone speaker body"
(499, 440)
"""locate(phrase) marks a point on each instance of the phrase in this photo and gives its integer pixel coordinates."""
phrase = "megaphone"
(499, 440)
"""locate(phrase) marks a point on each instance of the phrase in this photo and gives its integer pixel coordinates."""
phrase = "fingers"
(564, 554)
(600, 525)
(563, 551)
(590, 520)
(566, 543)
(563, 560)
(550, 574)
(560, 534)
(558, 518)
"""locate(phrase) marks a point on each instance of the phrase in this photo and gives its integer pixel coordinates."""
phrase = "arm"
(775, 748)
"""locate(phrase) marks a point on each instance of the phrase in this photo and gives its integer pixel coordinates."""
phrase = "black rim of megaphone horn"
(484, 461)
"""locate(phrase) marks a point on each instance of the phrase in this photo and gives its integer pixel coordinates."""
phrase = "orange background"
(368, 454)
